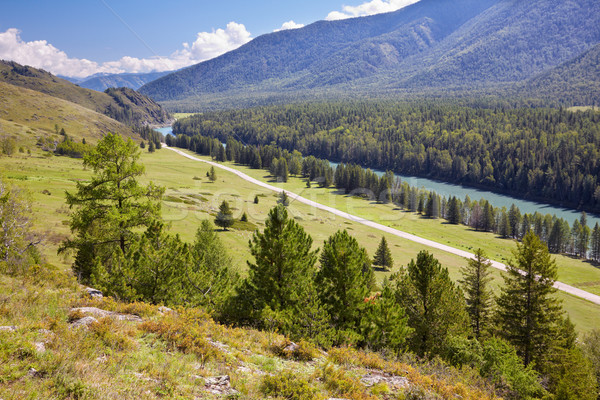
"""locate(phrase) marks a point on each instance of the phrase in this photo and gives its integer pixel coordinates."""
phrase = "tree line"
(544, 154)
(577, 239)
(520, 341)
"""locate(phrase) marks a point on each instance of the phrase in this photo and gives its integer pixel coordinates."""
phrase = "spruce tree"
(476, 276)
(383, 255)
(344, 279)
(527, 309)
(435, 306)
(595, 248)
(224, 217)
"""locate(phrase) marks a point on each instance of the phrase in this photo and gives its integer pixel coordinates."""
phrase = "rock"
(93, 293)
(8, 328)
(33, 372)
(291, 348)
(165, 310)
(40, 347)
(97, 312)
(219, 385)
(374, 378)
(127, 317)
(85, 321)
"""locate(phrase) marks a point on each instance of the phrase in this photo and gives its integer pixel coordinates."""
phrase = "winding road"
(558, 285)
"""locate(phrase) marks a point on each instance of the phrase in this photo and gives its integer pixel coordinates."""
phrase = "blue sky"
(79, 38)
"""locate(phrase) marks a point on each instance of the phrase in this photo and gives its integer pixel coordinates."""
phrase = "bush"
(289, 386)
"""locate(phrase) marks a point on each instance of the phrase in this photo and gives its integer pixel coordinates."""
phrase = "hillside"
(132, 81)
(432, 44)
(580, 76)
(30, 114)
(139, 110)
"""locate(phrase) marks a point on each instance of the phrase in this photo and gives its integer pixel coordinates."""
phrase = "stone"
(85, 322)
(99, 313)
(93, 293)
(33, 372)
(40, 347)
(291, 348)
(8, 328)
(219, 385)
(374, 378)
(165, 310)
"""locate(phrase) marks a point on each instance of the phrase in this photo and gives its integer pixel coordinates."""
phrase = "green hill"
(29, 115)
(122, 104)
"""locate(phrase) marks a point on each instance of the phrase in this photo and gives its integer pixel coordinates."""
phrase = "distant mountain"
(430, 45)
(124, 105)
(132, 81)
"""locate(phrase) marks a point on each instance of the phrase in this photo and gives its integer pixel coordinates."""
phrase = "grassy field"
(190, 197)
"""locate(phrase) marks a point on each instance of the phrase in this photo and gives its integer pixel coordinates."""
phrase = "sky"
(79, 38)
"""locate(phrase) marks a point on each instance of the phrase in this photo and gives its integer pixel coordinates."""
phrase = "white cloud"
(41, 54)
(369, 8)
(289, 25)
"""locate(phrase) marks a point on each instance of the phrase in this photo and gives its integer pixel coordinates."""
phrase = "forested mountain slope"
(123, 105)
(430, 45)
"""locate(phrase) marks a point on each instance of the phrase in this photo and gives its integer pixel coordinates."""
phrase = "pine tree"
(595, 250)
(281, 276)
(435, 306)
(224, 217)
(151, 147)
(527, 310)
(256, 199)
(384, 323)
(504, 227)
(212, 174)
(344, 279)
(244, 217)
(210, 278)
(475, 283)
(283, 199)
(453, 211)
(383, 255)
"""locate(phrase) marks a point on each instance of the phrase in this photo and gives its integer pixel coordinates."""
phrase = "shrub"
(290, 386)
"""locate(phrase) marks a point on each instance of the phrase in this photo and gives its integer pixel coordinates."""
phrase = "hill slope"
(29, 114)
(431, 44)
(580, 77)
(138, 112)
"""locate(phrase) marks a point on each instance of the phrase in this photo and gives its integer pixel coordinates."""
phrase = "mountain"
(430, 45)
(579, 77)
(132, 81)
(119, 104)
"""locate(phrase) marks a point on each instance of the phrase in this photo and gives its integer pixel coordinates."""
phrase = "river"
(497, 200)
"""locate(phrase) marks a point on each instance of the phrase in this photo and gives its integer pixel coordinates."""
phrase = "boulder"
(219, 385)
(8, 328)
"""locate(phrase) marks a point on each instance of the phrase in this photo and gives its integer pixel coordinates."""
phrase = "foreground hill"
(132, 81)
(123, 104)
(423, 47)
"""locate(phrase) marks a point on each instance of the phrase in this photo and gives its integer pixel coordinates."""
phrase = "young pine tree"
(528, 312)
(212, 174)
(224, 217)
(281, 277)
(435, 306)
(475, 283)
(344, 280)
(383, 255)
